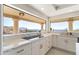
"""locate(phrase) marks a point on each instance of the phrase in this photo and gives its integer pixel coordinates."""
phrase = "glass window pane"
(8, 25)
(8, 21)
(76, 25)
(60, 26)
(26, 26)
(31, 25)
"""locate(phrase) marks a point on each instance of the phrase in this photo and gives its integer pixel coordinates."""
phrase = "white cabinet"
(51, 41)
(36, 47)
(9, 52)
(21, 50)
(54, 40)
(61, 43)
(47, 43)
(77, 48)
(42, 46)
(66, 43)
(71, 45)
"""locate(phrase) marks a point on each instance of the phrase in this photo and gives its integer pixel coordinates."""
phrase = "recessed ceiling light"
(42, 8)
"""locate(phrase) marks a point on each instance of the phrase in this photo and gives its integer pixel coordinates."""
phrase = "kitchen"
(40, 37)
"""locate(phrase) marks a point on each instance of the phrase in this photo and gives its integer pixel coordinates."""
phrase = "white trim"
(1, 27)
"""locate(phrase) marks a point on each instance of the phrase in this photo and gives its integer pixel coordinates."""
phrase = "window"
(8, 25)
(26, 26)
(59, 27)
(75, 25)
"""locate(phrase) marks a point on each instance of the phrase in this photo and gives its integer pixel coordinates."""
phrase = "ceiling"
(11, 12)
(61, 6)
(52, 11)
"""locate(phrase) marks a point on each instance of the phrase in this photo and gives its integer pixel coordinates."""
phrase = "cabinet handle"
(41, 46)
(20, 51)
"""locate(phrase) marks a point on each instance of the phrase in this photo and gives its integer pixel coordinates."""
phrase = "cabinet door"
(47, 42)
(51, 41)
(23, 50)
(9, 52)
(61, 43)
(42, 46)
(54, 40)
(71, 45)
(36, 48)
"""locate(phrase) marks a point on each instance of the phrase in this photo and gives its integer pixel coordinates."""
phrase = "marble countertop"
(48, 34)
(10, 44)
(17, 44)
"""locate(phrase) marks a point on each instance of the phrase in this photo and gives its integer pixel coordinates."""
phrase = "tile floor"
(55, 51)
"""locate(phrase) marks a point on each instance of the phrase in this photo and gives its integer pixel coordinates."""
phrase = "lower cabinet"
(54, 40)
(22, 50)
(9, 52)
(67, 43)
(42, 46)
(50, 41)
(71, 45)
(61, 43)
(36, 47)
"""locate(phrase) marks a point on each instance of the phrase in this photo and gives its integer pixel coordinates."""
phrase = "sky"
(64, 25)
(60, 26)
(31, 25)
(76, 26)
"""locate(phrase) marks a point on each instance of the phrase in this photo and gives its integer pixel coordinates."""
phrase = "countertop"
(18, 43)
(48, 34)
(10, 44)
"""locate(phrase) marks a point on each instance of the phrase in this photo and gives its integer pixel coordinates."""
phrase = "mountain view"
(9, 30)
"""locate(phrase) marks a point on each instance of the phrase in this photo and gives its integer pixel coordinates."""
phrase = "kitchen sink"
(30, 37)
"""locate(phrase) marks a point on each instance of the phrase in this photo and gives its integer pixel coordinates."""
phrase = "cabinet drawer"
(23, 50)
(20, 51)
(9, 52)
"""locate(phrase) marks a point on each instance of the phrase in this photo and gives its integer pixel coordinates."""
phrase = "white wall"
(1, 14)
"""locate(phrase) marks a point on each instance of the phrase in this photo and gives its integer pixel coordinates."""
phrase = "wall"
(1, 14)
